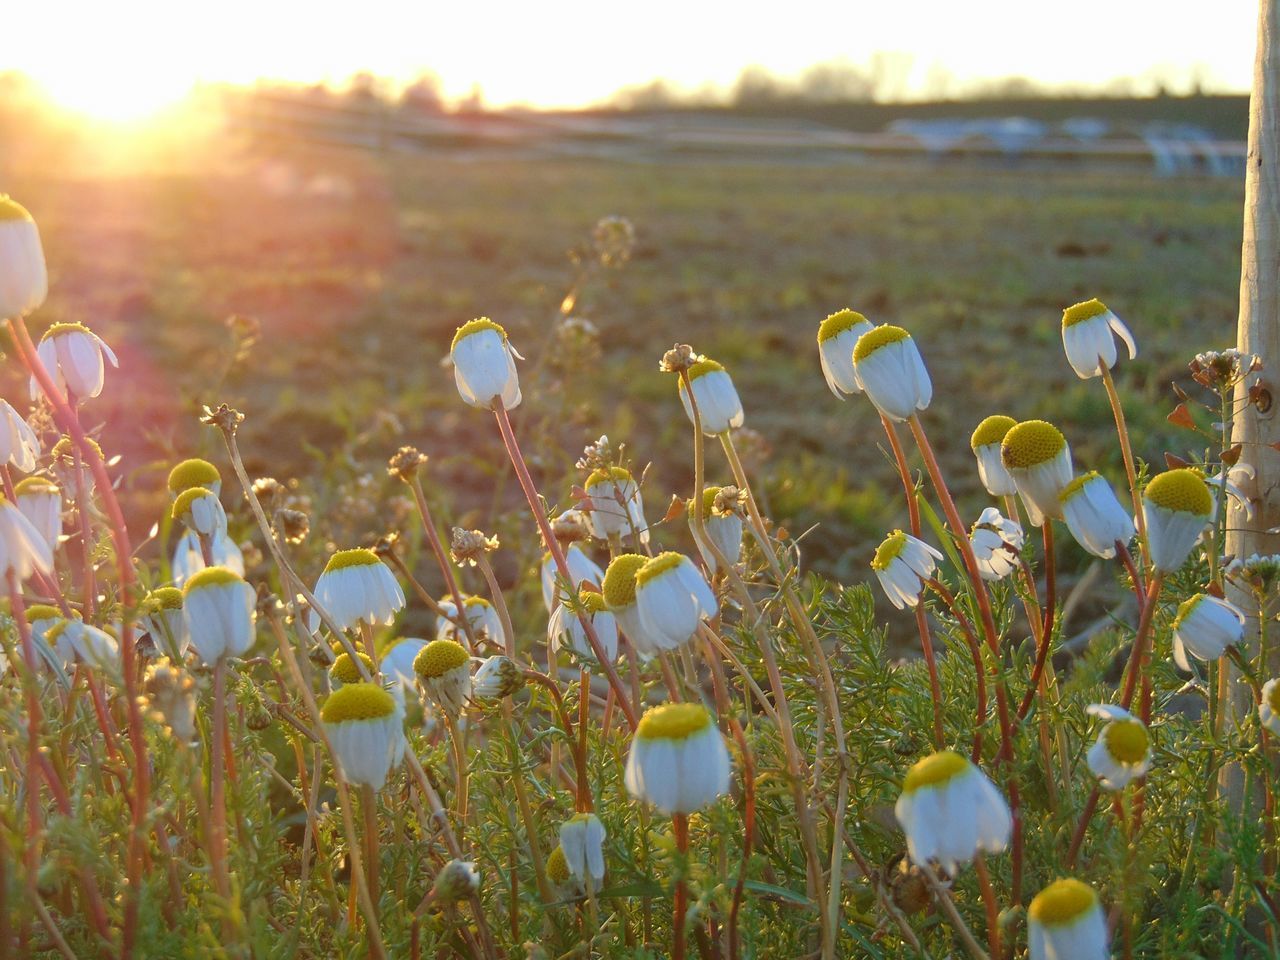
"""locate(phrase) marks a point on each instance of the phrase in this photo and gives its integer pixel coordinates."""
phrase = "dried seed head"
(679, 358)
(728, 501)
(571, 526)
(293, 525)
(614, 238)
(169, 691)
(596, 456)
(405, 462)
(270, 491)
(468, 546)
(224, 418)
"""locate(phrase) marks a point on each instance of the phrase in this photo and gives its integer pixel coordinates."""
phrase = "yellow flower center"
(658, 566)
(60, 328)
(35, 485)
(991, 430)
(344, 670)
(703, 367)
(476, 326)
(1081, 312)
(65, 451)
(1062, 901)
(1126, 740)
(11, 209)
(359, 557)
(165, 598)
(42, 611)
(192, 473)
(709, 495)
(591, 601)
(618, 475)
(1182, 490)
(673, 721)
(358, 701)
(211, 577)
(1186, 608)
(889, 551)
(186, 498)
(557, 866)
(1031, 443)
(838, 323)
(1077, 484)
(476, 602)
(439, 657)
(934, 769)
(620, 579)
(878, 337)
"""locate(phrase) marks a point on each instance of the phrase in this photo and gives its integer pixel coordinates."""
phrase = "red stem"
(1140, 641)
(1078, 837)
(975, 649)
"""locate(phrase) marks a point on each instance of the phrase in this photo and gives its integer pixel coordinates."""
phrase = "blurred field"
(358, 267)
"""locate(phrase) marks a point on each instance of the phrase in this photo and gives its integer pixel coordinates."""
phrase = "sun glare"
(123, 97)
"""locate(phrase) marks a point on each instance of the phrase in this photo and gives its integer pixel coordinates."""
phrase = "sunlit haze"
(125, 59)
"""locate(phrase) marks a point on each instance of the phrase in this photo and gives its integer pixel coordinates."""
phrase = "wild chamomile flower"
(582, 839)
(887, 363)
(484, 365)
(481, 615)
(1089, 330)
(1094, 515)
(194, 473)
(837, 336)
(23, 548)
(1065, 921)
(162, 618)
(1204, 627)
(397, 661)
(188, 557)
(357, 587)
(985, 444)
(565, 628)
(363, 726)
(24, 281)
(444, 669)
(950, 811)
(619, 590)
(40, 617)
(678, 760)
(996, 542)
(672, 598)
(495, 678)
(40, 501)
(457, 880)
(1037, 457)
(218, 608)
(343, 669)
(719, 407)
(198, 509)
(616, 507)
(75, 358)
(557, 868)
(581, 567)
(78, 642)
(1177, 506)
(1122, 752)
(724, 527)
(902, 564)
(1269, 708)
(19, 445)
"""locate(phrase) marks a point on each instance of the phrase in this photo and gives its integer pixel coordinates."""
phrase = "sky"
(134, 54)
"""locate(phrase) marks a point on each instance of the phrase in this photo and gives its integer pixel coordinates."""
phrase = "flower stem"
(442, 558)
(217, 780)
(1126, 450)
(680, 824)
(1138, 654)
(1086, 815)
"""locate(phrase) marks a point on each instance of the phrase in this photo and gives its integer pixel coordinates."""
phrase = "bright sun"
(120, 96)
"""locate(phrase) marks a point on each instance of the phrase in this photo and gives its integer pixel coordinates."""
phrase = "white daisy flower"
(887, 363)
(75, 358)
(1094, 515)
(484, 365)
(363, 727)
(985, 444)
(1177, 506)
(1065, 921)
(565, 628)
(162, 618)
(837, 337)
(581, 567)
(582, 844)
(188, 559)
(397, 661)
(481, 615)
(1089, 330)
(719, 407)
(41, 617)
(198, 509)
(495, 678)
(678, 760)
(444, 669)
(77, 641)
(40, 501)
(194, 473)
(902, 564)
(1204, 627)
(724, 530)
(950, 812)
(23, 548)
(672, 598)
(1122, 752)
(1038, 458)
(19, 445)
(356, 587)
(619, 590)
(997, 542)
(24, 280)
(218, 607)
(616, 506)
(1269, 708)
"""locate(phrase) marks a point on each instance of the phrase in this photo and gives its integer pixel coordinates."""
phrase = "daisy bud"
(19, 446)
(24, 281)
(195, 473)
(481, 615)
(496, 678)
(23, 548)
(1204, 627)
(484, 365)
(162, 618)
(902, 564)
(40, 501)
(837, 336)
(672, 598)
(581, 567)
(1065, 922)
(724, 529)
(356, 587)
(1269, 708)
(996, 542)
(678, 760)
(198, 509)
(344, 669)
(170, 695)
(571, 526)
(1087, 336)
(950, 812)
(616, 507)
(74, 357)
(444, 668)
(188, 558)
(1038, 458)
(218, 608)
(985, 443)
(363, 725)
(1259, 572)
(1177, 506)
(582, 841)
(457, 880)
(1122, 751)
(887, 363)
(565, 627)
(719, 407)
(1095, 516)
